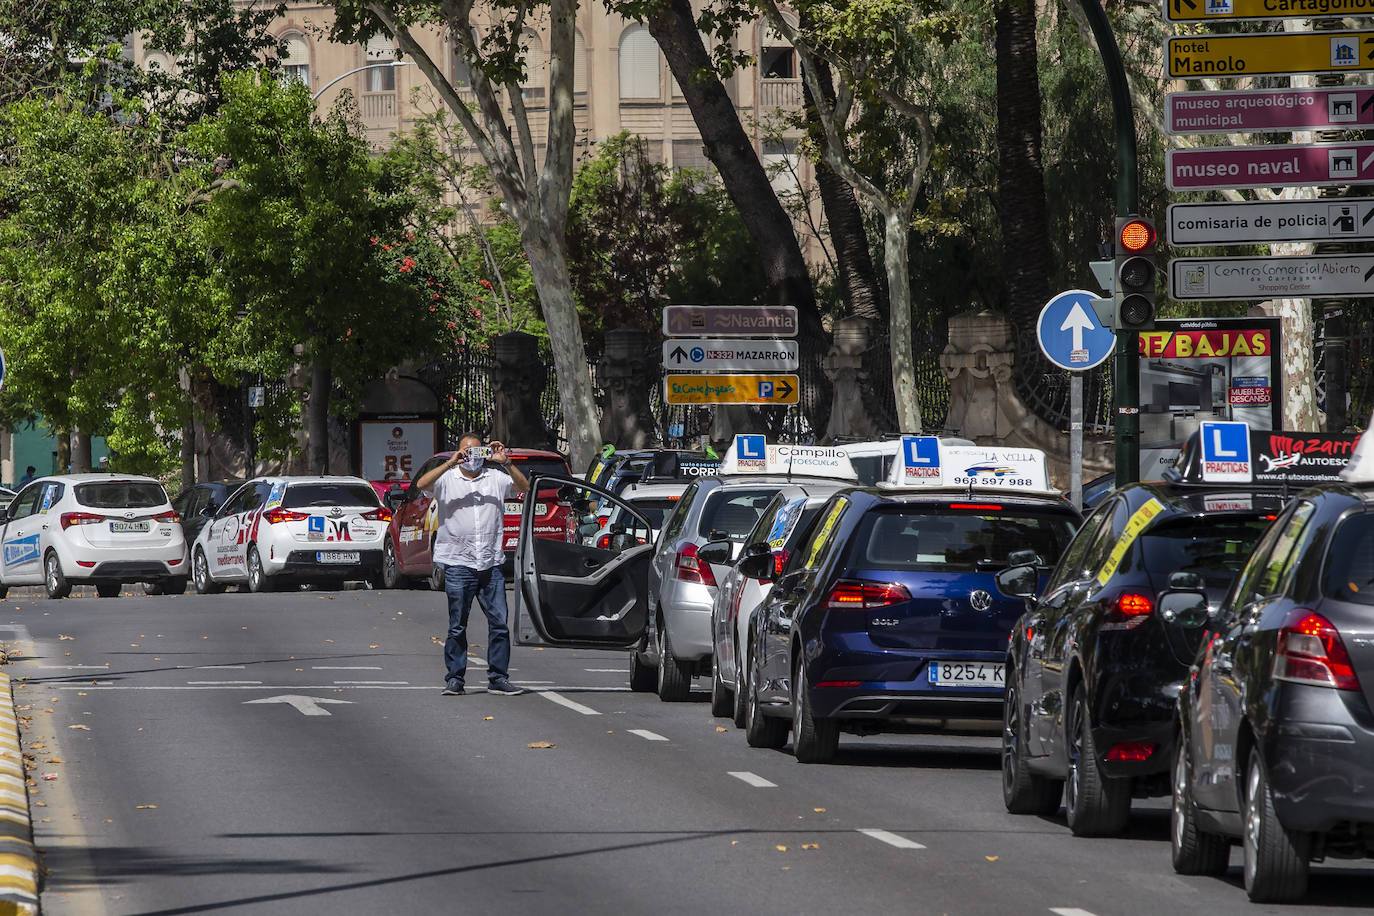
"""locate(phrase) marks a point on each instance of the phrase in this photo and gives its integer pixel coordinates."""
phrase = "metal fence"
(1359, 361)
(1044, 387)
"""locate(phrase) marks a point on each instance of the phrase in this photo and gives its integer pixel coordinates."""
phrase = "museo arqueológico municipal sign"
(1257, 111)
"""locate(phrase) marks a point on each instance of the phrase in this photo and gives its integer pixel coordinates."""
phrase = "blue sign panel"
(1069, 333)
(751, 448)
(1225, 452)
(315, 524)
(921, 456)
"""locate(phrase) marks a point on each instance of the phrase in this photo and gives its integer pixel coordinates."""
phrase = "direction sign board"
(1070, 334)
(1268, 53)
(731, 389)
(1271, 278)
(724, 355)
(1292, 165)
(1240, 10)
(1261, 111)
(1225, 451)
(730, 320)
(1257, 222)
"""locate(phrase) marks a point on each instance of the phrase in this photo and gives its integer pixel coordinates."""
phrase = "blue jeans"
(488, 586)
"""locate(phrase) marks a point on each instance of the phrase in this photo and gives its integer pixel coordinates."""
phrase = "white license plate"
(336, 556)
(513, 508)
(967, 674)
(129, 527)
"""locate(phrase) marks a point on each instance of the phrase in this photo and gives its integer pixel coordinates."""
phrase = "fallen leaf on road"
(300, 669)
(818, 810)
(141, 807)
(329, 640)
(542, 745)
(56, 760)
(47, 820)
(487, 718)
(49, 776)
(787, 868)
(720, 728)
(133, 645)
(372, 647)
(81, 693)
(734, 842)
(243, 628)
(37, 746)
(60, 636)
(782, 849)
(811, 845)
(992, 858)
(41, 804)
(84, 728)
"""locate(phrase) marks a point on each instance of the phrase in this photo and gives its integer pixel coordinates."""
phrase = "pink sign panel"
(1269, 110)
(1269, 166)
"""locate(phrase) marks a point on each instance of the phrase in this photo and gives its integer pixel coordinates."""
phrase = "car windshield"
(655, 510)
(938, 539)
(1215, 547)
(304, 495)
(732, 513)
(1350, 564)
(121, 494)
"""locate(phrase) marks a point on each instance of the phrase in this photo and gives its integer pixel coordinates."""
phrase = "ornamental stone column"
(517, 378)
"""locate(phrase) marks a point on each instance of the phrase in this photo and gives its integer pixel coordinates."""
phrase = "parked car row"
(1209, 637)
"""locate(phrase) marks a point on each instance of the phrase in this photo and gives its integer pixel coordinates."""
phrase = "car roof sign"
(754, 454)
(927, 463)
(1225, 451)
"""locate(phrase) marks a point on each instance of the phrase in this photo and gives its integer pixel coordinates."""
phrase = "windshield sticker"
(827, 528)
(274, 497)
(49, 494)
(1134, 525)
(785, 522)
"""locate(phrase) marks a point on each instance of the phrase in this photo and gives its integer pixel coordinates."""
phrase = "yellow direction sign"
(1237, 10)
(1269, 53)
(731, 389)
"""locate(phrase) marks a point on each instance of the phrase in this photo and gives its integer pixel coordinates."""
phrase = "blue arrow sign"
(1069, 333)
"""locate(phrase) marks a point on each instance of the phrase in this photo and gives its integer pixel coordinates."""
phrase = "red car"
(407, 552)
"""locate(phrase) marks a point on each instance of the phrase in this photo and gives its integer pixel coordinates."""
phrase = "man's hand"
(498, 453)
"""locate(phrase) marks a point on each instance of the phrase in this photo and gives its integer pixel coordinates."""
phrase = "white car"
(653, 500)
(286, 530)
(92, 529)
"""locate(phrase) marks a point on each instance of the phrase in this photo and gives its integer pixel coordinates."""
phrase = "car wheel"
(174, 586)
(813, 740)
(1095, 805)
(674, 677)
(200, 576)
(1275, 857)
(153, 588)
(739, 711)
(4, 590)
(108, 589)
(761, 730)
(643, 677)
(1194, 851)
(1023, 792)
(55, 585)
(391, 566)
(258, 580)
(722, 700)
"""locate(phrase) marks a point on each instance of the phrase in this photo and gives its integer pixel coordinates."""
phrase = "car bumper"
(303, 564)
(1317, 749)
(134, 564)
(896, 685)
(686, 609)
(1160, 738)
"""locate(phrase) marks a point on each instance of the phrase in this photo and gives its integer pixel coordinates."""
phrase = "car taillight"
(852, 594)
(277, 515)
(1310, 651)
(1132, 604)
(687, 566)
(1134, 751)
(780, 558)
(80, 518)
(380, 514)
(167, 517)
(604, 542)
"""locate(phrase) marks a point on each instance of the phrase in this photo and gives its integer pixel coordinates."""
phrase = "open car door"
(577, 596)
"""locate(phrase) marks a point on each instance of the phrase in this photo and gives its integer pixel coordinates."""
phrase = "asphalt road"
(176, 789)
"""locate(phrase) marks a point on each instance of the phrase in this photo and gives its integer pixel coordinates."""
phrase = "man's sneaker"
(453, 690)
(504, 687)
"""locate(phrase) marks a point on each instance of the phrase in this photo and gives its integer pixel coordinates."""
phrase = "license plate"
(513, 508)
(129, 527)
(336, 556)
(967, 674)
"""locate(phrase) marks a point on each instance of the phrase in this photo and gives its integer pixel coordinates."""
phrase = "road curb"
(18, 861)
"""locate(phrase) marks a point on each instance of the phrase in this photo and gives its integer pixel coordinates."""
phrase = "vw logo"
(981, 599)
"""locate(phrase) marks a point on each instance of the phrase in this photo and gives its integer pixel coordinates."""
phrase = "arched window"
(295, 60)
(380, 49)
(157, 60)
(639, 73)
(462, 70)
(777, 57)
(536, 68)
(579, 62)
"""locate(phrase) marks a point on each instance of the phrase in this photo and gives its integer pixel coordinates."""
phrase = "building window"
(536, 69)
(157, 60)
(777, 57)
(781, 162)
(579, 62)
(295, 61)
(639, 69)
(380, 49)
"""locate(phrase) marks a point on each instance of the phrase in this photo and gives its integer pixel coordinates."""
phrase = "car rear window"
(1350, 564)
(939, 539)
(1216, 547)
(530, 466)
(120, 494)
(655, 510)
(304, 495)
(732, 513)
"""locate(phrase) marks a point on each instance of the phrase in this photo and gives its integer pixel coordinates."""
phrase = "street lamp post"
(342, 76)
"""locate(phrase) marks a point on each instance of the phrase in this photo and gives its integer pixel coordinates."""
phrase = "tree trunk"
(188, 454)
(64, 452)
(896, 228)
(81, 451)
(729, 148)
(1026, 256)
(317, 414)
(1296, 346)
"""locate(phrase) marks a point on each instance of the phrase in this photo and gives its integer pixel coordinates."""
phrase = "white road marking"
(345, 667)
(219, 683)
(1069, 911)
(372, 682)
(607, 670)
(646, 734)
(306, 706)
(753, 779)
(564, 701)
(891, 839)
(74, 667)
(214, 667)
(110, 685)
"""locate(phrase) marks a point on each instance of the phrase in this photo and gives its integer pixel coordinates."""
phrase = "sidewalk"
(18, 862)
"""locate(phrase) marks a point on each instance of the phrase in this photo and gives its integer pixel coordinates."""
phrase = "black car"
(195, 506)
(1277, 711)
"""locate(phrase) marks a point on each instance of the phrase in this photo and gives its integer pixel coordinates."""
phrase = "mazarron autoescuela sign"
(1300, 458)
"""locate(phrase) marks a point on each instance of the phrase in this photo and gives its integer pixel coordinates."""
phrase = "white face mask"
(473, 464)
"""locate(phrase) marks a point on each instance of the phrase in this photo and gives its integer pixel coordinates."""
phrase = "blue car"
(888, 615)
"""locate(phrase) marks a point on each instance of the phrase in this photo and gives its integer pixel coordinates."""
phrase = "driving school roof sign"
(1225, 452)
(753, 454)
(926, 462)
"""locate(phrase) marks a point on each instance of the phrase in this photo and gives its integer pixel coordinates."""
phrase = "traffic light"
(1135, 274)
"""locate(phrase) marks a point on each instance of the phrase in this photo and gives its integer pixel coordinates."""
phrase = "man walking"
(471, 489)
(28, 475)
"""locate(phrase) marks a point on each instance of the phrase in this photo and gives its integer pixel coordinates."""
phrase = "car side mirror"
(1184, 607)
(587, 529)
(1023, 558)
(717, 553)
(1186, 581)
(209, 511)
(757, 566)
(1018, 581)
(395, 497)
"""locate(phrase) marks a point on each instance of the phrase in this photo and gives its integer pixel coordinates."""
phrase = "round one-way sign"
(1069, 333)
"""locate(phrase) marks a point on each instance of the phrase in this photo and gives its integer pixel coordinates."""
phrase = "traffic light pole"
(1127, 357)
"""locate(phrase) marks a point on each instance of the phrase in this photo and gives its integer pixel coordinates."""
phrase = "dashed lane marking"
(219, 683)
(890, 838)
(74, 667)
(753, 779)
(110, 685)
(345, 667)
(646, 734)
(607, 670)
(214, 667)
(1069, 911)
(360, 683)
(564, 701)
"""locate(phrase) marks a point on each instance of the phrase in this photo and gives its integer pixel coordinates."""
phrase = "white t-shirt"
(472, 516)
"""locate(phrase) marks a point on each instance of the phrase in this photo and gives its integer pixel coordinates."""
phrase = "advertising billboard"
(395, 449)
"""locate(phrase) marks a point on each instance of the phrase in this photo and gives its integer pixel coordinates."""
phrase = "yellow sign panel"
(1235, 10)
(1134, 525)
(1269, 53)
(683, 388)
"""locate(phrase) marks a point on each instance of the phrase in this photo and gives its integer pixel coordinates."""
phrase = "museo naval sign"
(1290, 165)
